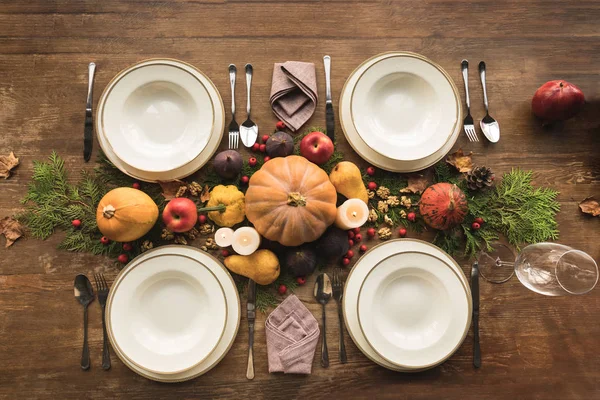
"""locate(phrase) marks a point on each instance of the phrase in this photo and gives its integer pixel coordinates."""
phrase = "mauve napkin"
(292, 336)
(294, 92)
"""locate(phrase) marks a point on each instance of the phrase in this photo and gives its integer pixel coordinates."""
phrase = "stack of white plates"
(160, 120)
(400, 111)
(407, 305)
(173, 313)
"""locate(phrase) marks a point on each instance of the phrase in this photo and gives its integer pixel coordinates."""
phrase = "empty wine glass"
(551, 269)
(555, 269)
(497, 264)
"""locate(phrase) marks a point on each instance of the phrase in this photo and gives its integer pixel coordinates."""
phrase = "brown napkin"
(294, 92)
(292, 336)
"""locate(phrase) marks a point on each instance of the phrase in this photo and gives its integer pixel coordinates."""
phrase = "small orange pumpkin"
(443, 206)
(291, 200)
(125, 214)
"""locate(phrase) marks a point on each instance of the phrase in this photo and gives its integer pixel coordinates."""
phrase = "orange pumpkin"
(443, 206)
(125, 214)
(291, 200)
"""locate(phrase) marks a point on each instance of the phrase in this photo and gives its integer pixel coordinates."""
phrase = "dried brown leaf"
(462, 162)
(170, 188)
(11, 229)
(416, 184)
(205, 195)
(7, 163)
(590, 205)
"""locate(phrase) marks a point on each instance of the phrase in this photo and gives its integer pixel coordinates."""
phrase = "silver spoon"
(248, 130)
(84, 293)
(489, 126)
(323, 294)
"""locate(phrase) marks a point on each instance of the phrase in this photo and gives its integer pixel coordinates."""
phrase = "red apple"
(180, 215)
(316, 147)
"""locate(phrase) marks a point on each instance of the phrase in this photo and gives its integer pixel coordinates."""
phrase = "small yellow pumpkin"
(234, 203)
(125, 214)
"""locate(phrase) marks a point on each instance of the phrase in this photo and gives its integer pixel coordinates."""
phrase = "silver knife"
(475, 294)
(329, 120)
(88, 129)
(251, 314)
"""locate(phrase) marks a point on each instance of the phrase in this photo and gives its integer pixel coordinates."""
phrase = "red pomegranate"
(443, 206)
(557, 101)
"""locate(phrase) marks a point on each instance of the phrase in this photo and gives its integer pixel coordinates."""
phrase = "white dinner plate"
(413, 310)
(404, 107)
(368, 153)
(213, 140)
(169, 314)
(231, 323)
(157, 117)
(360, 271)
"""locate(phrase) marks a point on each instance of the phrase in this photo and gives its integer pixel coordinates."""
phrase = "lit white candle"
(353, 213)
(245, 241)
(224, 237)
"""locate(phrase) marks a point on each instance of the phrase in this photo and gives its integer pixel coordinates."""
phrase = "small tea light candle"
(224, 237)
(353, 213)
(245, 241)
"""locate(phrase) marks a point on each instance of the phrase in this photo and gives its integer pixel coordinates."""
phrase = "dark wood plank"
(533, 347)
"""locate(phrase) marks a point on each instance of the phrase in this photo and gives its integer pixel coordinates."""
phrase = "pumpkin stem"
(220, 208)
(108, 211)
(295, 199)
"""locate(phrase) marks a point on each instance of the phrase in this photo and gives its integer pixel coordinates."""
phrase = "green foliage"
(514, 208)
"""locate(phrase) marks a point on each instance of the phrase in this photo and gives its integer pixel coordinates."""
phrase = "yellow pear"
(347, 179)
(262, 266)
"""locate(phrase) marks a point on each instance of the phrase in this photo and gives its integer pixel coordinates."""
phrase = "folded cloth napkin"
(292, 336)
(294, 92)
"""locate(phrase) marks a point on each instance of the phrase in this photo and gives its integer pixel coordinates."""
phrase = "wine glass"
(551, 269)
(555, 269)
(497, 264)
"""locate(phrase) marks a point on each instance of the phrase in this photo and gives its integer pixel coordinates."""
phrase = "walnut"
(382, 207)
(204, 248)
(388, 220)
(167, 235)
(192, 234)
(181, 191)
(405, 201)
(370, 194)
(383, 192)
(180, 239)
(147, 245)
(402, 214)
(393, 201)
(384, 233)
(206, 229)
(373, 215)
(195, 188)
(211, 244)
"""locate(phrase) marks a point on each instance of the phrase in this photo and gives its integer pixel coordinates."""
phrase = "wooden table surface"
(533, 347)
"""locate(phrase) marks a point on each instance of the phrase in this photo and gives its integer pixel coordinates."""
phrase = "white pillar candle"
(353, 213)
(224, 237)
(245, 241)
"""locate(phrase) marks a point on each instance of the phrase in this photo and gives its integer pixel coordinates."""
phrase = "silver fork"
(468, 123)
(338, 291)
(234, 128)
(102, 290)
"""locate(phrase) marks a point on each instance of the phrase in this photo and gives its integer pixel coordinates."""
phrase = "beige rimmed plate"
(413, 310)
(231, 319)
(212, 140)
(404, 107)
(360, 271)
(368, 153)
